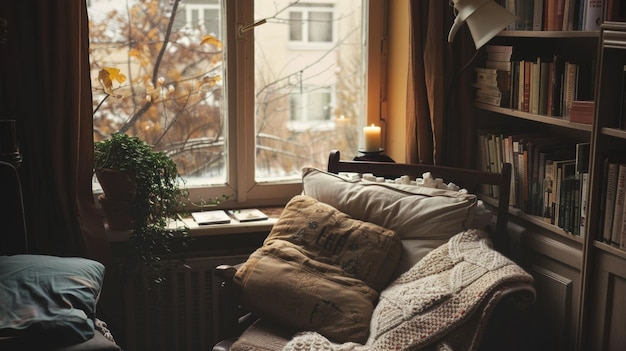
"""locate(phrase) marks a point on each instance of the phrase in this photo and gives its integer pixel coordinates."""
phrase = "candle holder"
(375, 156)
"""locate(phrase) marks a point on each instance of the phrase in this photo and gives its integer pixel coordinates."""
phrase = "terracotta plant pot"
(119, 189)
(117, 213)
(116, 185)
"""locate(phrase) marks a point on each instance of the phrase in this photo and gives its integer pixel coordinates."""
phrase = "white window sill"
(234, 227)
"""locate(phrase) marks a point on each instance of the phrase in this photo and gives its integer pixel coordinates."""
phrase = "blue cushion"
(50, 297)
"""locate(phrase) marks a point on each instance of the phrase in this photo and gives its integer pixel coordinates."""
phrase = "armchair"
(434, 228)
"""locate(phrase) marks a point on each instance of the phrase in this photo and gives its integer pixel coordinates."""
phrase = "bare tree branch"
(131, 121)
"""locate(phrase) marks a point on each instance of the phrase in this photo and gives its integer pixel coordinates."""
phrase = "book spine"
(550, 90)
(567, 15)
(526, 91)
(570, 87)
(622, 239)
(488, 90)
(514, 85)
(557, 79)
(498, 56)
(584, 190)
(543, 88)
(488, 99)
(538, 15)
(593, 15)
(548, 191)
(557, 194)
(563, 204)
(619, 205)
(575, 204)
(487, 79)
(510, 6)
(559, 15)
(611, 184)
(499, 65)
(622, 118)
(534, 87)
(519, 179)
(520, 85)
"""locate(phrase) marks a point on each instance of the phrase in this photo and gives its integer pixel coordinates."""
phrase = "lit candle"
(372, 138)
(341, 122)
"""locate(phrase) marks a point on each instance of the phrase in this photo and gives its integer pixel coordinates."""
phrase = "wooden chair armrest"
(226, 271)
(233, 317)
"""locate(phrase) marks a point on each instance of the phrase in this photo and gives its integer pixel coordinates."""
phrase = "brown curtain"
(439, 125)
(46, 88)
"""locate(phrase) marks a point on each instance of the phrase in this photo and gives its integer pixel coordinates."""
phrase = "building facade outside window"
(239, 109)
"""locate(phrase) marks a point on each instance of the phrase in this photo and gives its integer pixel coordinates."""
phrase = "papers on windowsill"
(248, 215)
(225, 216)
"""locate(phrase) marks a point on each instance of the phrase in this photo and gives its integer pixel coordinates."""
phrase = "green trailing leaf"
(157, 198)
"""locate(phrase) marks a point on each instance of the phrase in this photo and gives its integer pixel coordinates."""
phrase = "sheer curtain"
(439, 126)
(46, 88)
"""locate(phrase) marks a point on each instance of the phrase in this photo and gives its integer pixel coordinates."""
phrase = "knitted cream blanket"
(427, 305)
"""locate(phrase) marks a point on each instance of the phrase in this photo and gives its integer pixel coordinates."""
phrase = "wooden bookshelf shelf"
(614, 132)
(556, 121)
(549, 34)
(610, 249)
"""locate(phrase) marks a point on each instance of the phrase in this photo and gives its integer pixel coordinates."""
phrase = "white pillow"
(423, 218)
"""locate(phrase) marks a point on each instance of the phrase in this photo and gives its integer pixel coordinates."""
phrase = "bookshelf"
(604, 263)
(580, 278)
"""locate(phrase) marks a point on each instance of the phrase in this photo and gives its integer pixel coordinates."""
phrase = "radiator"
(180, 313)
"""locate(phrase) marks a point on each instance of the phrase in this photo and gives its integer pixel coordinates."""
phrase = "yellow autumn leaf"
(105, 80)
(211, 40)
(115, 74)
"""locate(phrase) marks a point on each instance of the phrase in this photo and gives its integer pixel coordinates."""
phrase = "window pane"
(212, 22)
(320, 26)
(178, 109)
(295, 26)
(302, 90)
(318, 106)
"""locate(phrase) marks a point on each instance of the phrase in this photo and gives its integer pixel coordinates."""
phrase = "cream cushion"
(424, 218)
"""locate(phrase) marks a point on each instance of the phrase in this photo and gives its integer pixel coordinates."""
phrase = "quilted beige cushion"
(424, 218)
(320, 270)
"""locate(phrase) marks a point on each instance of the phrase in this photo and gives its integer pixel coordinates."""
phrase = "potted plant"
(150, 196)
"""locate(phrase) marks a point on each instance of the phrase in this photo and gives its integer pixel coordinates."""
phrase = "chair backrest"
(470, 179)
(13, 239)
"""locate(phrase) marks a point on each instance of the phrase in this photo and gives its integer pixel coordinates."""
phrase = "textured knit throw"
(426, 305)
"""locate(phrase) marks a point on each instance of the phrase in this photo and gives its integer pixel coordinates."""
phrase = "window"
(311, 23)
(204, 16)
(240, 109)
(310, 109)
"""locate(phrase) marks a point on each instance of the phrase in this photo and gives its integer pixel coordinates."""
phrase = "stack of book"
(582, 112)
(549, 175)
(613, 210)
(493, 82)
(549, 86)
(557, 15)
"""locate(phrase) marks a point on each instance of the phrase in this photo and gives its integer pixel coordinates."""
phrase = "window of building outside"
(241, 112)
(311, 24)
